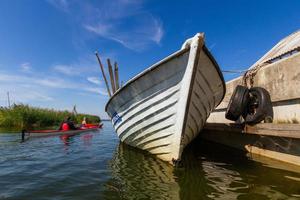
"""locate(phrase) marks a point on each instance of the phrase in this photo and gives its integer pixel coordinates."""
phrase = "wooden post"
(8, 99)
(117, 76)
(74, 111)
(111, 75)
(103, 74)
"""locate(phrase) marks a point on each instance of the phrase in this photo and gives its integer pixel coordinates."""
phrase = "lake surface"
(96, 166)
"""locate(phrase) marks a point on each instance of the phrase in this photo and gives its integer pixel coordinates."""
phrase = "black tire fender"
(259, 107)
(238, 103)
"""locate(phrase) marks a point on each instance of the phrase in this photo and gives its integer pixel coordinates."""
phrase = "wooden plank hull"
(165, 107)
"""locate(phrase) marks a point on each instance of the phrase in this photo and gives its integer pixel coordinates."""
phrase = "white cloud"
(40, 85)
(20, 93)
(101, 29)
(83, 66)
(94, 80)
(26, 67)
(158, 31)
(66, 70)
(60, 4)
(18, 80)
(8, 77)
(48, 90)
(123, 21)
(52, 83)
(33, 95)
(143, 30)
(96, 90)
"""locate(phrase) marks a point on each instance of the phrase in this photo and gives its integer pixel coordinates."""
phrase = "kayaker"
(83, 123)
(67, 124)
(61, 126)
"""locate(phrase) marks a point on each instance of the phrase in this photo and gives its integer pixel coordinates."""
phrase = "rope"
(248, 77)
(234, 71)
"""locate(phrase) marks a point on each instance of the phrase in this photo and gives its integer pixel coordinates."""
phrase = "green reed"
(28, 117)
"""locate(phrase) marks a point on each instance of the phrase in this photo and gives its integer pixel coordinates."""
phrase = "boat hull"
(47, 133)
(164, 108)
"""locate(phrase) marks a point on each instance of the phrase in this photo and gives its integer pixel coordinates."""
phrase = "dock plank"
(269, 129)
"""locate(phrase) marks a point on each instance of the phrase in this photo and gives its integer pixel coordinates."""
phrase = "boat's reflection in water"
(137, 175)
(203, 178)
(204, 175)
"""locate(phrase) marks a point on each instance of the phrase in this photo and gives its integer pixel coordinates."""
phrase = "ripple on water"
(96, 166)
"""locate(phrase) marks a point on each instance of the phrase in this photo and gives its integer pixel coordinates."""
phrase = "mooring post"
(23, 135)
(117, 76)
(111, 75)
(103, 74)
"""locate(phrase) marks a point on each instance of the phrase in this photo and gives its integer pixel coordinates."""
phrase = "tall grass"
(25, 116)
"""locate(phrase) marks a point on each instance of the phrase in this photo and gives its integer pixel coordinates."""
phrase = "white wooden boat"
(163, 109)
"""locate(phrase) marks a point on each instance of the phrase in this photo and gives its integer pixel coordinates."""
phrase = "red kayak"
(43, 133)
(92, 126)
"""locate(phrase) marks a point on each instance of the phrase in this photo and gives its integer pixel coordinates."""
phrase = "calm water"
(96, 166)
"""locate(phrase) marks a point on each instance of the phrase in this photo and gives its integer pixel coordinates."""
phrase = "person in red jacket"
(67, 124)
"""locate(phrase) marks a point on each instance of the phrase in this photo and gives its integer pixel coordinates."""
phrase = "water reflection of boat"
(204, 175)
(207, 179)
(139, 176)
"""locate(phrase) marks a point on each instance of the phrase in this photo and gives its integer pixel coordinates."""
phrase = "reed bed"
(27, 117)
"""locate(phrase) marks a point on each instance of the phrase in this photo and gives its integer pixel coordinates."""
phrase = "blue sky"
(47, 47)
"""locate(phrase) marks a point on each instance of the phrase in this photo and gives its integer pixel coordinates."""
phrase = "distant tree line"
(28, 117)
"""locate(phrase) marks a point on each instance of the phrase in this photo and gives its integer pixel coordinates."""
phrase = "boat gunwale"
(151, 68)
(218, 70)
(60, 131)
(154, 66)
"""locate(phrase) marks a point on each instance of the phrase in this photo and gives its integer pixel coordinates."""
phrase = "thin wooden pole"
(103, 74)
(111, 75)
(117, 76)
(8, 99)
(74, 111)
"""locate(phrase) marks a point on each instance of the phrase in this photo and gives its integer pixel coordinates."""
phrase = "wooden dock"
(267, 129)
(278, 72)
(276, 141)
